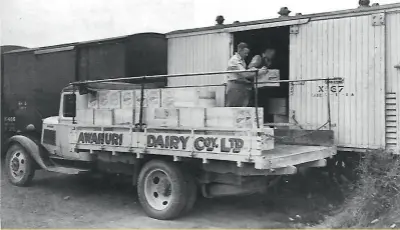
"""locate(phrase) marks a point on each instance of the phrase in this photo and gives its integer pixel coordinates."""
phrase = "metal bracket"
(299, 83)
(378, 19)
(294, 29)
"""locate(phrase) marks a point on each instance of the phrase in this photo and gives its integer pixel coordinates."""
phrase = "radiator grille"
(49, 137)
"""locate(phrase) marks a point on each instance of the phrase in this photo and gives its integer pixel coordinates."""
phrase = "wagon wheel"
(162, 190)
(192, 193)
(20, 168)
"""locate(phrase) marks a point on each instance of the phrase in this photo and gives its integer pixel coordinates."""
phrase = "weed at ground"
(376, 200)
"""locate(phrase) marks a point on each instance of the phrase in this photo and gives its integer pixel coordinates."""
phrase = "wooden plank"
(304, 137)
(314, 164)
(292, 155)
(217, 147)
(240, 145)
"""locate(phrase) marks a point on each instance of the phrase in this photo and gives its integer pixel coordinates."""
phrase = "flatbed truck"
(170, 165)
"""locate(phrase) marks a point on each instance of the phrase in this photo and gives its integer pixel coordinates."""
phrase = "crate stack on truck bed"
(175, 111)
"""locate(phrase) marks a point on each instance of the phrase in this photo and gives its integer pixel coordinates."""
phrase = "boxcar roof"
(86, 42)
(332, 14)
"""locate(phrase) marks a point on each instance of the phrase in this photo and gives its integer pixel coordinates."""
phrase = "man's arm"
(235, 64)
(255, 62)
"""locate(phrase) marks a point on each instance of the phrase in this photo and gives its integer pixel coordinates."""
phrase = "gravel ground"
(64, 201)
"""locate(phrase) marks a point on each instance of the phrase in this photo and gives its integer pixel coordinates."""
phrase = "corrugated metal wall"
(200, 53)
(393, 81)
(351, 48)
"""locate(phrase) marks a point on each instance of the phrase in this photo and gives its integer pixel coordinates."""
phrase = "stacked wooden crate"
(271, 75)
(184, 107)
(172, 108)
(278, 108)
(84, 111)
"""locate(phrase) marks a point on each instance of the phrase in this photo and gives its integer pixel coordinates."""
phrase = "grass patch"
(375, 201)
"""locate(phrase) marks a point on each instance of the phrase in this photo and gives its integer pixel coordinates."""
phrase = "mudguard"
(33, 148)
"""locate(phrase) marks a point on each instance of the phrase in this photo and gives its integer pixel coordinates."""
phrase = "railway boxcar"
(359, 45)
(33, 78)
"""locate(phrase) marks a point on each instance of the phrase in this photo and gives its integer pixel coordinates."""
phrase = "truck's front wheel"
(162, 190)
(19, 166)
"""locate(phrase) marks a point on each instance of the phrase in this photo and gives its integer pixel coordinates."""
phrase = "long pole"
(197, 74)
(256, 98)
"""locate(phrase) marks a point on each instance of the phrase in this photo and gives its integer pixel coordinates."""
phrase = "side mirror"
(69, 105)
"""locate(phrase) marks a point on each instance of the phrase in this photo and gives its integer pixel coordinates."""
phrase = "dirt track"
(62, 201)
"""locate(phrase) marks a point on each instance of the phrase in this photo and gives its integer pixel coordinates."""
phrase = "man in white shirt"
(239, 85)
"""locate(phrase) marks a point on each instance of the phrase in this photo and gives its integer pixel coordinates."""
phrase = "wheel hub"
(17, 165)
(164, 187)
(158, 189)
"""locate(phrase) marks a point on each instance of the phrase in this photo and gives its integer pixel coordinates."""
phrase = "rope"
(296, 122)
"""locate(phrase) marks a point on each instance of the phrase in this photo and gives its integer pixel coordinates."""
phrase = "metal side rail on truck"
(170, 153)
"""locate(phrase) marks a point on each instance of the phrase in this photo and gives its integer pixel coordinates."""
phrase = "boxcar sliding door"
(352, 48)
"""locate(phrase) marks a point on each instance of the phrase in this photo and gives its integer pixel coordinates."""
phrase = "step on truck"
(172, 151)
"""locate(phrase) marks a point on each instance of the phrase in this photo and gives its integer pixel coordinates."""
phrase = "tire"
(192, 193)
(162, 190)
(20, 167)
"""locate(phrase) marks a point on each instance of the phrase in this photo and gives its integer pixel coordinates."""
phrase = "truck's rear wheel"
(192, 193)
(19, 166)
(162, 190)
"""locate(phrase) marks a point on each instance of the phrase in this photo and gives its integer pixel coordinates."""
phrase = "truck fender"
(32, 147)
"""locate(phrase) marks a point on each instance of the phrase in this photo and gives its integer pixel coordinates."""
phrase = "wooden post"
(141, 105)
(256, 99)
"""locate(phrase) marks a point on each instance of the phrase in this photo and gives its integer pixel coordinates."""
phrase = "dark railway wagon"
(33, 78)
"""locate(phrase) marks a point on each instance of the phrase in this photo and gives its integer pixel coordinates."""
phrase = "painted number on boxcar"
(334, 90)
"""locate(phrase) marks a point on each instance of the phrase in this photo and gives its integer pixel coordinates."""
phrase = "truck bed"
(295, 150)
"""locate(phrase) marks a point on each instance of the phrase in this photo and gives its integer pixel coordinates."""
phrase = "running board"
(65, 170)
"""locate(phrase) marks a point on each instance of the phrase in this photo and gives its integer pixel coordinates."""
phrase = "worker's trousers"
(238, 94)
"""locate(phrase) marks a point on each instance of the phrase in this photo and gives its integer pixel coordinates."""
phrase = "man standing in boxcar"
(239, 85)
(263, 60)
